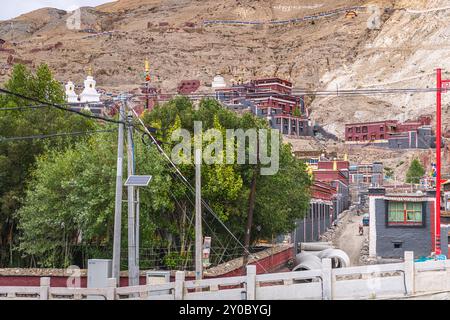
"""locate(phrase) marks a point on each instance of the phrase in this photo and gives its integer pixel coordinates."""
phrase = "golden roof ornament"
(147, 65)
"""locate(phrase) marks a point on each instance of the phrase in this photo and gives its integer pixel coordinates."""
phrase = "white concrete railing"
(395, 280)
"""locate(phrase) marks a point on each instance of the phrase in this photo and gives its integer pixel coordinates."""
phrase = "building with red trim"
(149, 97)
(275, 85)
(392, 133)
(361, 177)
(376, 132)
(188, 86)
(329, 197)
(400, 222)
(270, 98)
(336, 173)
(320, 215)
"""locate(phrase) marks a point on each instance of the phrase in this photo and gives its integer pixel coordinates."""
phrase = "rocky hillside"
(405, 52)
(407, 41)
(172, 35)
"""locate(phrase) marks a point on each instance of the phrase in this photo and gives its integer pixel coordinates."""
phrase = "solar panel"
(138, 181)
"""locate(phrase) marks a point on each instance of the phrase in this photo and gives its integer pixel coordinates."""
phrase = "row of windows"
(293, 130)
(365, 137)
(277, 111)
(363, 129)
(286, 122)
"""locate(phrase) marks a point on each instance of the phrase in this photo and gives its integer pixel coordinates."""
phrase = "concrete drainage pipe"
(339, 259)
(315, 246)
(307, 261)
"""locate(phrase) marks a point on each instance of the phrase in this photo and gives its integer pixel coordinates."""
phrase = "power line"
(46, 106)
(53, 135)
(60, 107)
(296, 92)
(25, 108)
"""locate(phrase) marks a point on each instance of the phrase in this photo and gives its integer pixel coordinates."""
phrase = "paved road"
(349, 239)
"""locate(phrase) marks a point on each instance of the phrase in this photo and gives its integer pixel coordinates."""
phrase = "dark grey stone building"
(401, 222)
(422, 138)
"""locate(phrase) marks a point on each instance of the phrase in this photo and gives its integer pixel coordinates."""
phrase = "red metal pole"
(437, 242)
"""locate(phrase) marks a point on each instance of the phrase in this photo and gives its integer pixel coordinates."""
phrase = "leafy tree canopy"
(415, 172)
(70, 198)
(18, 157)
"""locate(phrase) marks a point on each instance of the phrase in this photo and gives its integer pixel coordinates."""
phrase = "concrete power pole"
(133, 278)
(118, 202)
(198, 216)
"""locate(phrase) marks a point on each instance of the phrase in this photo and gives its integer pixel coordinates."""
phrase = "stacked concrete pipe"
(310, 260)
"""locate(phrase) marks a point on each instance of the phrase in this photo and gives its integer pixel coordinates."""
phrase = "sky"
(11, 9)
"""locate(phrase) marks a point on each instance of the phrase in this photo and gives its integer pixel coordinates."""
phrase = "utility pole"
(147, 82)
(441, 86)
(133, 278)
(198, 215)
(118, 202)
(198, 199)
(137, 233)
(437, 249)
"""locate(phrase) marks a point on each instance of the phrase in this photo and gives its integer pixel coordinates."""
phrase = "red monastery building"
(270, 98)
(392, 133)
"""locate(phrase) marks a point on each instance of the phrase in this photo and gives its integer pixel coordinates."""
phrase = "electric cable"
(53, 135)
(57, 106)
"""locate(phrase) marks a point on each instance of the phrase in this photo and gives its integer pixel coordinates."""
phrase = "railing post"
(251, 282)
(327, 293)
(409, 272)
(111, 289)
(45, 288)
(179, 285)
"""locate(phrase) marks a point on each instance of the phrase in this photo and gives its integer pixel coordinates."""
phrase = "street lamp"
(136, 181)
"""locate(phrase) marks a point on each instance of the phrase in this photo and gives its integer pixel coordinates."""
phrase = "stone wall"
(412, 238)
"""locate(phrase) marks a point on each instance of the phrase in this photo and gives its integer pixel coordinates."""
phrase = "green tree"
(70, 197)
(17, 158)
(388, 172)
(280, 199)
(415, 172)
(70, 203)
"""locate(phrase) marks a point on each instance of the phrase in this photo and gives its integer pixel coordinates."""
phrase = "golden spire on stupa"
(147, 65)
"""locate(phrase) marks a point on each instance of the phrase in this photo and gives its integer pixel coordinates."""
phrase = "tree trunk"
(251, 209)
(183, 232)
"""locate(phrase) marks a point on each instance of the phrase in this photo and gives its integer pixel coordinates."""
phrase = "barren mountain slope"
(412, 43)
(302, 52)
(330, 53)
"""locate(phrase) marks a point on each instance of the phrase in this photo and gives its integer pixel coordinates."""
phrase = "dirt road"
(349, 239)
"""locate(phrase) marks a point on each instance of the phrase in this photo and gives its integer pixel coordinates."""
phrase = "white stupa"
(218, 82)
(71, 96)
(89, 93)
